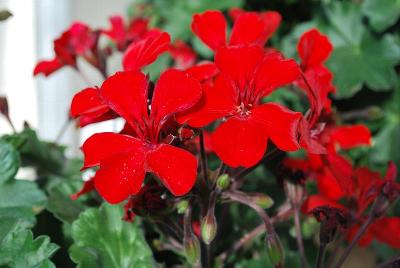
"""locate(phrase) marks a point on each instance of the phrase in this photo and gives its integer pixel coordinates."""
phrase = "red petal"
(271, 20)
(313, 48)
(314, 201)
(47, 67)
(275, 72)
(88, 101)
(279, 124)
(88, 186)
(366, 180)
(341, 170)
(176, 168)
(183, 55)
(210, 27)
(120, 176)
(117, 31)
(351, 136)
(103, 145)
(387, 230)
(328, 185)
(297, 164)
(239, 63)
(217, 101)
(174, 92)
(139, 29)
(126, 94)
(145, 52)
(308, 141)
(81, 38)
(391, 172)
(87, 119)
(235, 12)
(318, 85)
(247, 29)
(203, 71)
(239, 142)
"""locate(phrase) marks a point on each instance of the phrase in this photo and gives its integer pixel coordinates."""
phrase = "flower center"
(244, 109)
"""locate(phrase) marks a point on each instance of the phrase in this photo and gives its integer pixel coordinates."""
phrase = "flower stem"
(62, 130)
(357, 237)
(299, 237)
(203, 158)
(321, 255)
(391, 263)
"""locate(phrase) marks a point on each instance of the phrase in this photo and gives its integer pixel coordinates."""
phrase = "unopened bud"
(208, 228)
(263, 200)
(223, 181)
(4, 106)
(181, 206)
(374, 112)
(4, 14)
(275, 250)
(294, 192)
(192, 248)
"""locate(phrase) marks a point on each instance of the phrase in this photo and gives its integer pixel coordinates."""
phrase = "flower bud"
(5, 14)
(262, 200)
(294, 192)
(181, 206)
(223, 181)
(275, 250)
(208, 228)
(192, 248)
(374, 112)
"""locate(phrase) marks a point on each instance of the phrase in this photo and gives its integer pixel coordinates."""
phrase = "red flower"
(183, 55)
(386, 230)
(145, 52)
(314, 49)
(123, 34)
(249, 28)
(247, 75)
(185, 59)
(78, 40)
(123, 159)
(366, 183)
(332, 172)
(89, 105)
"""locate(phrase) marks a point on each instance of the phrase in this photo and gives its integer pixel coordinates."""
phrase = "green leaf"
(18, 248)
(21, 199)
(102, 239)
(59, 201)
(359, 58)
(9, 161)
(45, 156)
(381, 13)
(372, 62)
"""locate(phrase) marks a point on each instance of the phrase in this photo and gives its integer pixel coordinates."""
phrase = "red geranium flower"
(89, 105)
(367, 186)
(314, 49)
(123, 33)
(247, 75)
(78, 40)
(182, 54)
(332, 171)
(249, 28)
(185, 59)
(123, 159)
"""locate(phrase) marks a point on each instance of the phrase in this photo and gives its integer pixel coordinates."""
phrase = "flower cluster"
(221, 107)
